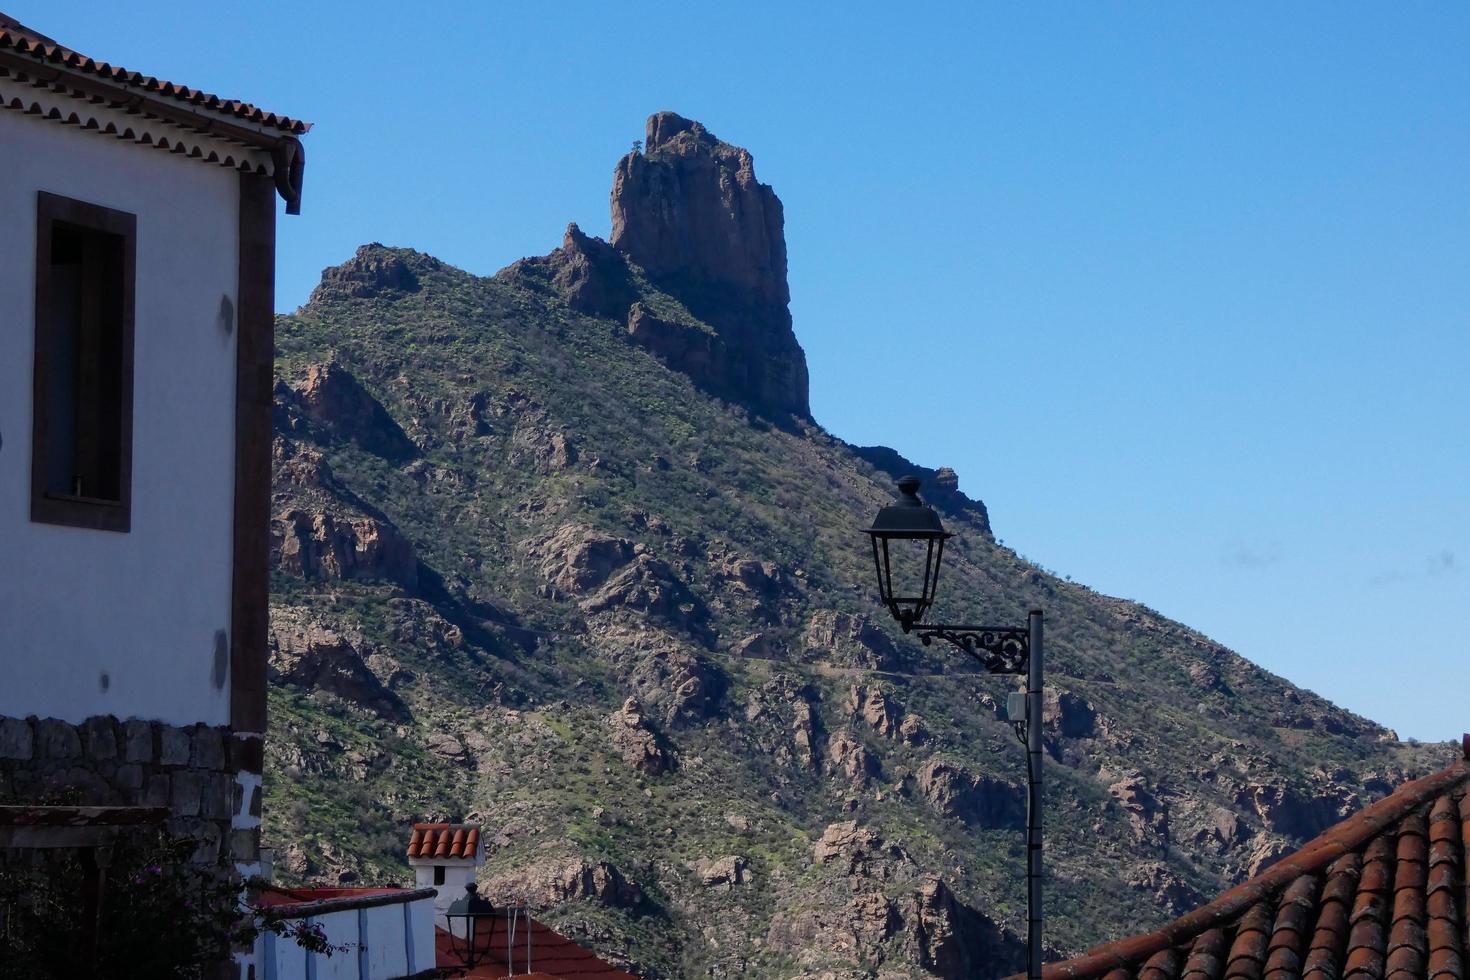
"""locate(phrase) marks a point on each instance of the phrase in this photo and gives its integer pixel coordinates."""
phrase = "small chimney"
(445, 856)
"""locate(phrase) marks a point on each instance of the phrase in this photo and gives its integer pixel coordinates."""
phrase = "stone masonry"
(192, 770)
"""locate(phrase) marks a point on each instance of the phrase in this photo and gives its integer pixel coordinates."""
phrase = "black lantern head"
(904, 534)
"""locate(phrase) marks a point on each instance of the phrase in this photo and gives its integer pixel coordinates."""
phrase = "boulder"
(637, 742)
(722, 873)
(872, 706)
(851, 759)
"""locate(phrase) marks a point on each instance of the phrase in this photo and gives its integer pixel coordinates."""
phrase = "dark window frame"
(49, 507)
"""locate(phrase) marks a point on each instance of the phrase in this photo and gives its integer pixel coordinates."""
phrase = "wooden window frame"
(49, 507)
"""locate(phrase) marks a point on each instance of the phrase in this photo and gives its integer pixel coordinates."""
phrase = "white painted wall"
(141, 607)
(457, 874)
(399, 943)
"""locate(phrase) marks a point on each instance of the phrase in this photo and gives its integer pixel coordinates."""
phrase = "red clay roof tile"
(445, 840)
(1381, 895)
(553, 956)
(17, 37)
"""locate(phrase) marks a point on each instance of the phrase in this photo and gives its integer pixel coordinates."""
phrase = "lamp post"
(903, 534)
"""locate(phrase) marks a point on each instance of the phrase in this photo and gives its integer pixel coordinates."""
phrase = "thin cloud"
(1437, 565)
(1252, 555)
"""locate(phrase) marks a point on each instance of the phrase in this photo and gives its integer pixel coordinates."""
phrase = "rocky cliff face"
(689, 211)
(689, 215)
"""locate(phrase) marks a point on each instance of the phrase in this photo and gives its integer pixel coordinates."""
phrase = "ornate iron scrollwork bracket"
(999, 649)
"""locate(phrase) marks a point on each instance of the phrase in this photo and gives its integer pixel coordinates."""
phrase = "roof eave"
(1348, 835)
(284, 147)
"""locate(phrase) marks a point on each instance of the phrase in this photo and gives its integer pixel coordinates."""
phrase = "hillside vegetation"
(540, 566)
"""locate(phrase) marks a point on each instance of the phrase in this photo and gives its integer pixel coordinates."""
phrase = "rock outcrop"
(850, 641)
(690, 212)
(922, 915)
(688, 347)
(576, 559)
(722, 873)
(637, 742)
(939, 488)
(979, 801)
(375, 271)
(310, 655)
(323, 547)
(553, 882)
(334, 402)
(1147, 815)
(689, 207)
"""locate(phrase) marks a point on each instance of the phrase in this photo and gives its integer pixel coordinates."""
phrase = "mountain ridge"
(553, 579)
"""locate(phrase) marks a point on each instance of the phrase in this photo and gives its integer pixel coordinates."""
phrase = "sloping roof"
(16, 37)
(1381, 894)
(553, 957)
(445, 840)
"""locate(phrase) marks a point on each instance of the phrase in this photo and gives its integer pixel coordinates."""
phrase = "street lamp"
(908, 546)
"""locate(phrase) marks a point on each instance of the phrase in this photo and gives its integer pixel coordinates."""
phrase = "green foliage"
(482, 374)
(163, 917)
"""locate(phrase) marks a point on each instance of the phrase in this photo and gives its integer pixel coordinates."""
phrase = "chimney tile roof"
(1377, 895)
(445, 840)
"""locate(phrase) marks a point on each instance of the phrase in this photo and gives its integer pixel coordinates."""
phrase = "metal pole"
(1033, 797)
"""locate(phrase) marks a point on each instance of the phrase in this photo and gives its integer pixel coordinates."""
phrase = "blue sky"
(1182, 291)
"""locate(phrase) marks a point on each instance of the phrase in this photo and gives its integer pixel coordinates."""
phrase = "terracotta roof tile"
(1291, 931)
(1206, 957)
(553, 956)
(444, 840)
(1445, 882)
(1329, 938)
(1163, 965)
(1247, 958)
(1383, 895)
(22, 40)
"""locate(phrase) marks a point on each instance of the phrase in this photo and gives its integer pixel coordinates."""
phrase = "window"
(82, 440)
(438, 874)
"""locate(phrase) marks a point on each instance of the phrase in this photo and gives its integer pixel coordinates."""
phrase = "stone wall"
(201, 773)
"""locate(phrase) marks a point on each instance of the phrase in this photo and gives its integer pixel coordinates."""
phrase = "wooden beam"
(254, 374)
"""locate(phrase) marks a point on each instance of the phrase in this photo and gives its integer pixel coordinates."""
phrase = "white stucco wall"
(140, 607)
(385, 942)
(457, 874)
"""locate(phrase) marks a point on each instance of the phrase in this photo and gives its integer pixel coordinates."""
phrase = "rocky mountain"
(562, 551)
(689, 215)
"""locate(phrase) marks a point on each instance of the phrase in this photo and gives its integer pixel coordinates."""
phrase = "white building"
(137, 254)
(444, 856)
